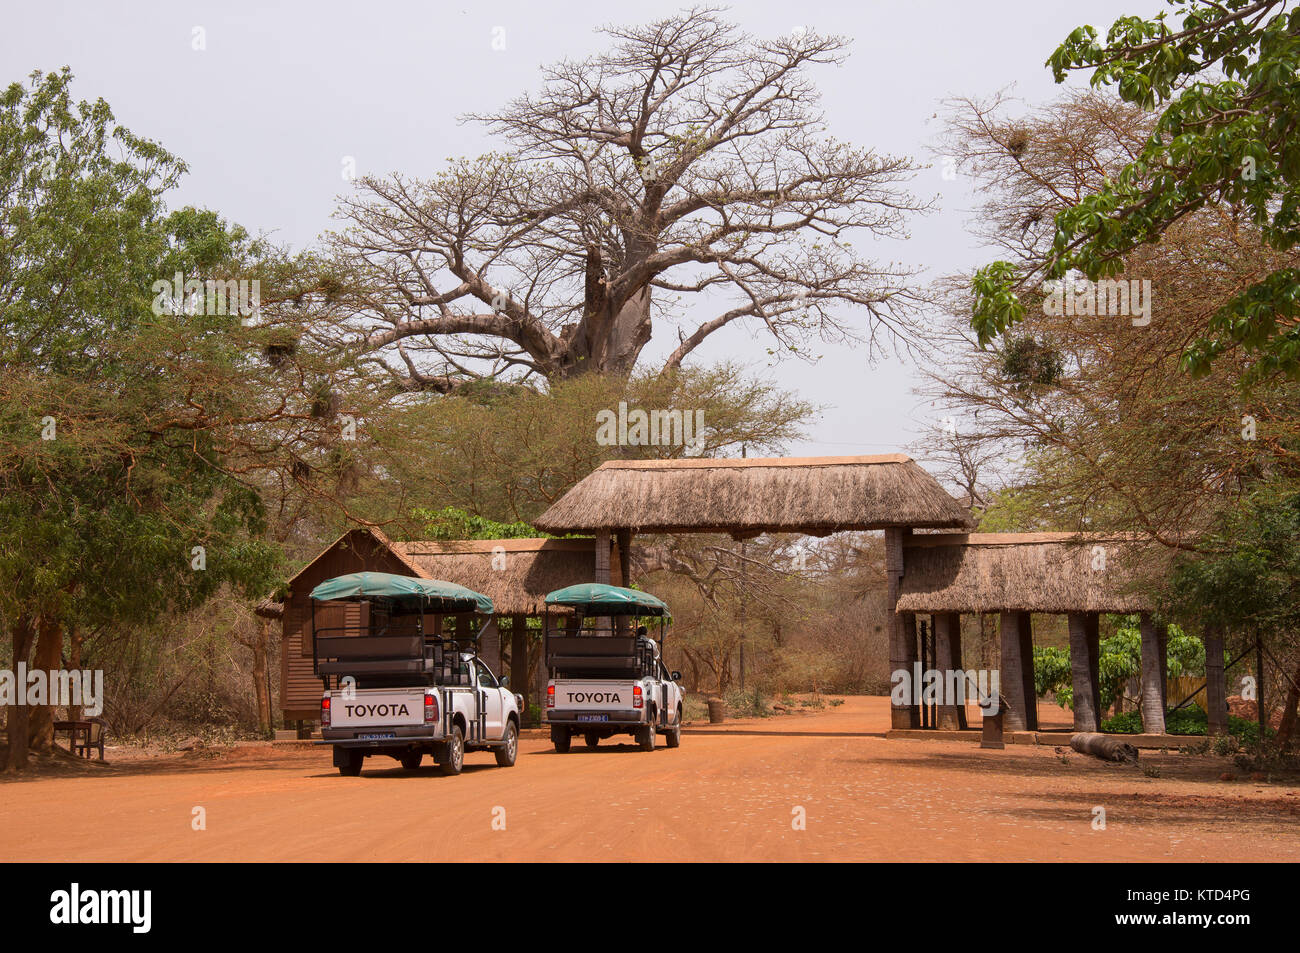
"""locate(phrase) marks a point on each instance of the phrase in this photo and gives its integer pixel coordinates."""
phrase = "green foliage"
(1247, 577)
(1119, 659)
(1184, 721)
(451, 522)
(1225, 82)
(112, 466)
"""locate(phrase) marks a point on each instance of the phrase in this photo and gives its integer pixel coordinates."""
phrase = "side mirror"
(677, 676)
(505, 681)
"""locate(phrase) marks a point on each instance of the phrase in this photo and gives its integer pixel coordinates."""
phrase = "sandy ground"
(717, 797)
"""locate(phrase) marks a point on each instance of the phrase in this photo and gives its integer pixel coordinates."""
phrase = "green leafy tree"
(132, 423)
(1224, 80)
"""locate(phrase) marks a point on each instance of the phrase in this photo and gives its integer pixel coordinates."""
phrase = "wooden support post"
(518, 656)
(489, 644)
(1216, 686)
(1152, 703)
(1017, 679)
(603, 624)
(602, 556)
(902, 630)
(1085, 649)
(622, 571)
(624, 542)
(947, 650)
(540, 674)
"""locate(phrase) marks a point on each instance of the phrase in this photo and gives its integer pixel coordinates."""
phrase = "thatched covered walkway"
(940, 574)
(1017, 574)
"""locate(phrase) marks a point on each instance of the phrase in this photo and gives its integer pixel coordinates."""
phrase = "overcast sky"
(280, 96)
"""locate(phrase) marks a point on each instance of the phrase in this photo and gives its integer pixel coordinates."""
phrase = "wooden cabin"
(516, 573)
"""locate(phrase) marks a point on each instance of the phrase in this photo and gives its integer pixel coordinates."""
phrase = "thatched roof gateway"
(812, 495)
(1026, 572)
(515, 573)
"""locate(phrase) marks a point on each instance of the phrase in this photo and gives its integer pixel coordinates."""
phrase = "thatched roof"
(812, 495)
(515, 573)
(1026, 572)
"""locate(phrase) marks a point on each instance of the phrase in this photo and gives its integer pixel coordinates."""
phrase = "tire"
(561, 738)
(673, 736)
(454, 758)
(509, 750)
(411, 760)
(645, 736)
(353, 759)
(592, 739)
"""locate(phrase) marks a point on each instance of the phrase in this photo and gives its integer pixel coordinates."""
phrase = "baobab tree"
(686, 168)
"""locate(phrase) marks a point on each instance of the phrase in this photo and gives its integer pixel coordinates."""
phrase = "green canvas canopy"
(596, 597)
(432, 593)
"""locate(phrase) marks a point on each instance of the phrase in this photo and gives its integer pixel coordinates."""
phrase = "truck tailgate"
(377, 707)
(593, 695)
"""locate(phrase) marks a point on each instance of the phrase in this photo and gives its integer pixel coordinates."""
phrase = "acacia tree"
(136, 431)
(1224, 84)
(1110, 431)
(689, 163)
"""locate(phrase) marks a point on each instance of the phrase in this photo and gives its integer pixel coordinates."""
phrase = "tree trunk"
(259, 676)
(49, 658)
(1106, 747)
(1216, 687)
(947, 650)
(1289, 711)
(22, 634)
(1084, 662)
(1017, 679)
(75, 639)
(1153, 676)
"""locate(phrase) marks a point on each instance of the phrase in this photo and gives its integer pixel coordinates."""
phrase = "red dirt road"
(714, 798)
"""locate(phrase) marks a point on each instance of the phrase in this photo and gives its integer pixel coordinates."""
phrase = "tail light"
(637, 700)
(325, 711)
(430, 708)
(550, 695)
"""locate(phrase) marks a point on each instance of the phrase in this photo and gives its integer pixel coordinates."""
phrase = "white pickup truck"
(603, 684)
(475, 713)
(397, 684)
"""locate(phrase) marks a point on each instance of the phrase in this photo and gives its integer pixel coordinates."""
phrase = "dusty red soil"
(717, 797)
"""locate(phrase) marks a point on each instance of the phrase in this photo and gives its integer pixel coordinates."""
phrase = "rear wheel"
(673, 736)
(592, 739)
(454, 758)
(411, 760)
(350, 761)
(561, 738)
(645, 736)
(509, 749)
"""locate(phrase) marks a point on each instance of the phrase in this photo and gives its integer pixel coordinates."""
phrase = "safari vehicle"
(606, 675)
(398, 657)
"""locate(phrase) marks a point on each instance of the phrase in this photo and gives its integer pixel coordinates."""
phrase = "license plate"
(593, 718)
(377, 736)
